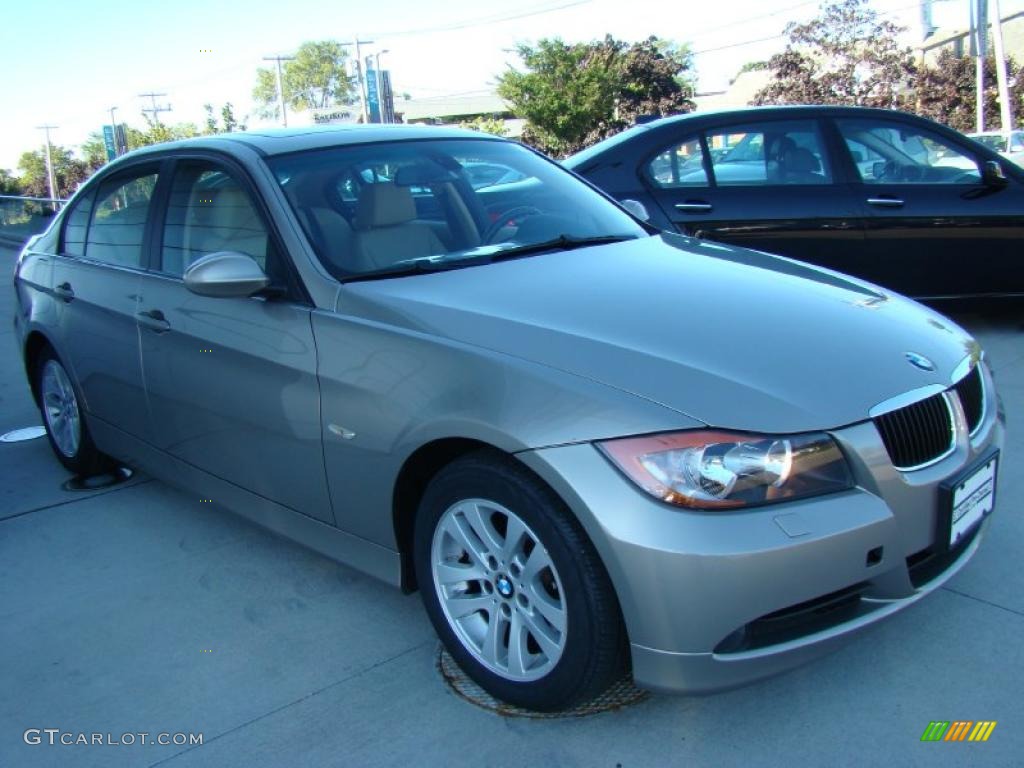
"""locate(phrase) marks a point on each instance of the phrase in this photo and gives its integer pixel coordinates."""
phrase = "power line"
(482, 21)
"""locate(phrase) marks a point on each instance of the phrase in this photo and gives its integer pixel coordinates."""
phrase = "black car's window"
(117, 226)
(681, 165)
(76, 222)
(771, 153)
(209, 211)
(888, 152)
(375, 208)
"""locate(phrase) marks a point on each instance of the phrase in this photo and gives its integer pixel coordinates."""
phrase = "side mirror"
(225, 274)
(992, 174)
(636, 208)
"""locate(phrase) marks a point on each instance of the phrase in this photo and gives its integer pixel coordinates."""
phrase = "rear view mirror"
(225, 274)
(992, 174)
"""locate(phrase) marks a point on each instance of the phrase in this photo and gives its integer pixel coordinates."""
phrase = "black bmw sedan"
(887, 196)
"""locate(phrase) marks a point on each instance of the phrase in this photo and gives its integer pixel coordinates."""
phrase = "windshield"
(408, 206)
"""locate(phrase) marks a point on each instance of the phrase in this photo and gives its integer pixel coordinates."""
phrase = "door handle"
(154, 320)
(64, 291)
(886, 202)
(693, 206)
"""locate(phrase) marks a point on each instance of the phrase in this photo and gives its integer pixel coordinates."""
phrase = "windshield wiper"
(561, 243)
(457, 261)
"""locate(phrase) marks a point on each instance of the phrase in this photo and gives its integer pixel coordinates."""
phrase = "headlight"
(710, 469)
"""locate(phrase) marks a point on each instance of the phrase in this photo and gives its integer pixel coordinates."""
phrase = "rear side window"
(681, 165)
(117, 226)
(75, 225)
(768, 154)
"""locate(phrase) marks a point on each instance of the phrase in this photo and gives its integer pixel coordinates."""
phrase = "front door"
(933, 227)
(231, 382)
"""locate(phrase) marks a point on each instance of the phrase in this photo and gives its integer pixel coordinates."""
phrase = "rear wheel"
(513, 586)
(64, 420)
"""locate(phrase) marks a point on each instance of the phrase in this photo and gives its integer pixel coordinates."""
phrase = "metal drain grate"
(96, 482)
(622, 694)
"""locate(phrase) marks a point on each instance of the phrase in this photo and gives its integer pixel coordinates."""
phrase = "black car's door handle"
(693, 206)
(154, 320)
(64, 291)
(886, 202)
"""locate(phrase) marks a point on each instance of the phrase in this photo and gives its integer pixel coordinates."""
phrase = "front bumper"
(717, 600)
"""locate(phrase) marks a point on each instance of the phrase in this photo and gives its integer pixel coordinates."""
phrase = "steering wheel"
(518, 211)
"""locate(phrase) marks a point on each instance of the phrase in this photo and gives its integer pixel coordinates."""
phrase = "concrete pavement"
(138, 609)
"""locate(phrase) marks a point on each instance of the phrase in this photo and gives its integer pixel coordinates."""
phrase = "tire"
(532, 617)
(64, 418)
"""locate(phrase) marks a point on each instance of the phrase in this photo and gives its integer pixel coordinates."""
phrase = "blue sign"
(108, 142)
(372, 95)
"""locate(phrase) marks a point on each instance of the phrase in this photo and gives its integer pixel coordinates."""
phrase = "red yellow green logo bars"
(958, 730)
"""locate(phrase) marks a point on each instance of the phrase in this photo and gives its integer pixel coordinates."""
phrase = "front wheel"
(65, 423)
(514, 588)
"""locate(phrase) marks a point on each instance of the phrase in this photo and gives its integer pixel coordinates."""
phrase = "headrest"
(231, 207)
(801, 160)
(384, 205)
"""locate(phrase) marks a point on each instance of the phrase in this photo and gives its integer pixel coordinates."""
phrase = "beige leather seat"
(332, 234)
(386, 230)
(226, 221)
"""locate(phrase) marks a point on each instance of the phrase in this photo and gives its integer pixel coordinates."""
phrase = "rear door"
(766, 184)
(231, 381)
(933, 227)
(97, 275)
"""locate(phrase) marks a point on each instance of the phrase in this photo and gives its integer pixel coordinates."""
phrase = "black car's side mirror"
(993, 175)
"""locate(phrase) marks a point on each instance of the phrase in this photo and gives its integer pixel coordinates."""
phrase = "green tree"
(847, 55)
(228, 122)
(316, 78)
(492, 125)
(68, 172)
(9, 183)
(945, 91)
(574, 95)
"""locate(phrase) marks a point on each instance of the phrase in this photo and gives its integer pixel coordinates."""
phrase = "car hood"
(730, 337)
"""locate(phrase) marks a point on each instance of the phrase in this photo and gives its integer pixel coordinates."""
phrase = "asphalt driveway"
(141, 609)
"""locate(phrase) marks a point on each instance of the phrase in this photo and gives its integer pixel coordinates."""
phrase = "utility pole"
(50, 178)
(979, 49)
(1005, 108)
(156, 110)
(280, 85)
(113, 127)
(360, 80)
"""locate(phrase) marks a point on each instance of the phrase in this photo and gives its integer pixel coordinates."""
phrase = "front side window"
(773, 153)
(209, 211)
(440, 204)
(681, 165)
(894, 153)
(117, 226)
(76, 223)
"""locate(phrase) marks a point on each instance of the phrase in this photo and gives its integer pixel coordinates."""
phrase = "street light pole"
(51, 179)
(280, 86)
(113, 128)
(1005, 108)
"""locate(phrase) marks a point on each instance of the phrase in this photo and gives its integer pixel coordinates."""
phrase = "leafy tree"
(847, 55)
(314, 79)
(574, 95)
(229, 123)
(9, 183)
(945, 91)
(492, 125)
(68, 172)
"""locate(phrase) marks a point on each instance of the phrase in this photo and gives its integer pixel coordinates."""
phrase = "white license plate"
(972, 500)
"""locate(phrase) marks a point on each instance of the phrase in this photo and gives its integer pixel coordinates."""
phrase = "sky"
(68, 62)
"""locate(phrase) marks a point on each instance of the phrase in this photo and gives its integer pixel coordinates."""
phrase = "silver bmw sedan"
(594, 448)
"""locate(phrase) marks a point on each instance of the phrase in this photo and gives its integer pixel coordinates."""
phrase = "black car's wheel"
(65, 423)
(513, 586)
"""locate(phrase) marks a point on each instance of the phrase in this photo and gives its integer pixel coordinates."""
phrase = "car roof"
(279, 141)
